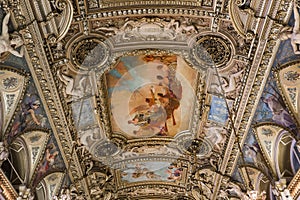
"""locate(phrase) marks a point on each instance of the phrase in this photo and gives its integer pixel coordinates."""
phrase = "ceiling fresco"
(155, 91)
(149, 100)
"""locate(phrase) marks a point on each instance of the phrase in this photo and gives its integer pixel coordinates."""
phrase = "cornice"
(144, 3)
(161, 11)
(8, 190)
(294, 186)
(261, 66)
(263, 58)
(42, 76)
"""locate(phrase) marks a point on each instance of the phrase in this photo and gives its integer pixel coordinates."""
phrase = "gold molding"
(9, 192)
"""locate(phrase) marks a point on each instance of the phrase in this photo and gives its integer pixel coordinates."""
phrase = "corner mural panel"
(266, 135)
(289, 80)
(31, 119)
(30, 115)
(12, 86)
(272, 107)
(51, 162)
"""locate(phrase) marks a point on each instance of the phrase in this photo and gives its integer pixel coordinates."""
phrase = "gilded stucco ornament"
(201, 182)
(54, 18)
(63, 16)
(79, 85)
(77, 76)
(83, 54)
(104, 149)
(25, 193)
(236, 190)
(239, 16)
(150, 190)
(101, 184)
(244, 15)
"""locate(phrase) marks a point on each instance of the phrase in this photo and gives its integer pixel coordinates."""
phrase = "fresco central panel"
(151, 95)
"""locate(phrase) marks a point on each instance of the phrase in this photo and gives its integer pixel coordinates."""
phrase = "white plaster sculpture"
(231, 85)
(3, 152)
(293, 32)
(78, 86)
(234, 188)
(7, 44)
(217, 136)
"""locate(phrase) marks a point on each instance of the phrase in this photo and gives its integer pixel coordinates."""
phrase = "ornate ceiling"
(151, 99)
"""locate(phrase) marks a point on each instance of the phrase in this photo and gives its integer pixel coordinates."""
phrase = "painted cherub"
(49, 160)
(7, 44)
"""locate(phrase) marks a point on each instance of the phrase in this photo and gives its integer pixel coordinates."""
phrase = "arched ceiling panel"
(289, 83)
(12, 89)
(36, 142)
(267, 137)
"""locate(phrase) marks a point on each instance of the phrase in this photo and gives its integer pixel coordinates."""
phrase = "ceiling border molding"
(83, 28)
(40, 69)
(128, 3)
(264, 58)
(294, 186)
(9, 191)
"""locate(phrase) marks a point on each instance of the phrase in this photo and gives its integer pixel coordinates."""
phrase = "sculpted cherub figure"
(3, 152)
(293, 32)
(7, 44)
